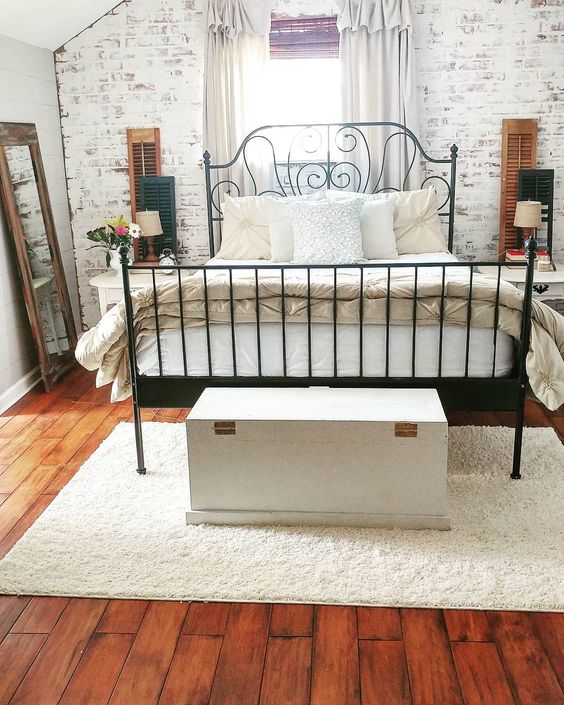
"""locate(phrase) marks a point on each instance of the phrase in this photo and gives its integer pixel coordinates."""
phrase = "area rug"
(112, 533)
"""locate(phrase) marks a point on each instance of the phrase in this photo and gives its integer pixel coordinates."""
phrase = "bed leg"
(139, 440)
(518, 441)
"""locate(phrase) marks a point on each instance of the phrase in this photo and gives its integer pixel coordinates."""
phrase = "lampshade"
(149, 222)
(527, 214)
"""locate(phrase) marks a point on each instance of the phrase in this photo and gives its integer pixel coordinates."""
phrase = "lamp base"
(151, 256)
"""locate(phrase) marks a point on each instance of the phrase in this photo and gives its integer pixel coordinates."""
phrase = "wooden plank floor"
(100, 652)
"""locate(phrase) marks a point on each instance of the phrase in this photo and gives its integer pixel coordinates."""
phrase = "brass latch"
(224, 428)
(406, 430)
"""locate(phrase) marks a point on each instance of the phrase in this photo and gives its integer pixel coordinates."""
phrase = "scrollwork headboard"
(290, 160)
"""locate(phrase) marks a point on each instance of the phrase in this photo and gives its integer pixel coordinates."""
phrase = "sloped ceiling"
(49, 23)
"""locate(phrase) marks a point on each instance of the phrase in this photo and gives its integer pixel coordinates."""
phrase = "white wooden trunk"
(359, 457)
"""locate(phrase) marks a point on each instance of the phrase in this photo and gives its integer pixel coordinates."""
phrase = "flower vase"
(115, 262)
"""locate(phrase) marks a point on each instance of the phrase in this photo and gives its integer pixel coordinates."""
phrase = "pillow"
(376, 223)
(327, 232)
(244, 229)
(416, 222)
(277, 213)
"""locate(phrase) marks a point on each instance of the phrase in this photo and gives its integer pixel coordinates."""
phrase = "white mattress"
(322, 358)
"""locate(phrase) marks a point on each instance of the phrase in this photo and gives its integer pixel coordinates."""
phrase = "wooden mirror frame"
(13, 134)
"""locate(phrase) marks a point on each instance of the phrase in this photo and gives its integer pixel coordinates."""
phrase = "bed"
(419, 319)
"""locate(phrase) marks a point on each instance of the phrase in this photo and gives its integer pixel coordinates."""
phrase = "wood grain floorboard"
(35, 511)
(467, 625)
(524, 659)
(24, 496)
(378, 623)
(291, 620)
(66, 421)
(191, 674)
(431, 667)
(51, 671)
(146, 668)
(35, 455)
(207, 618)
(11, 607)
(99, 433)
(335, 671)
(40, 616)
(383, 673)
(287, 671)
(64, 450)
(549, 628)
(95, 677)
(239, 670)
(482, 678)
(17, 653)
(123, 616)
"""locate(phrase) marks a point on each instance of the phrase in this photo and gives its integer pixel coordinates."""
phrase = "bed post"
(451, 203)
(209, 202)
(530, 255)
(124, 260)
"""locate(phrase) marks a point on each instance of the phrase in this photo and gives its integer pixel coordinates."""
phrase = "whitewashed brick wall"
(142, 65)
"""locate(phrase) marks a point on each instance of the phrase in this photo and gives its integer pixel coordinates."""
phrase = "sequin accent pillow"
(327, 232)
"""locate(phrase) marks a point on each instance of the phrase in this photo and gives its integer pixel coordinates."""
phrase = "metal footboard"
(461, 392)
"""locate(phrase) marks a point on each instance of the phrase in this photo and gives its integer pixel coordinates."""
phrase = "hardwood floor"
(99, 652)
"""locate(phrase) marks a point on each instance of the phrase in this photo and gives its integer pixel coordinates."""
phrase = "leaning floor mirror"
(30, 220)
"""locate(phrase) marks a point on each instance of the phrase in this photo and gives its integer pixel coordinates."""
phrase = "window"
(304, 74)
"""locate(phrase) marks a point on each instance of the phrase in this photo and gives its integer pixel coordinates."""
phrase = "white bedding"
(322, 358)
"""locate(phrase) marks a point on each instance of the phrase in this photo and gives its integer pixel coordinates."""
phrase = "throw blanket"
(105, 346)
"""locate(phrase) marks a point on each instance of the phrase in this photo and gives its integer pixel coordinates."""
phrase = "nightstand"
(547, 287)
(110, 286)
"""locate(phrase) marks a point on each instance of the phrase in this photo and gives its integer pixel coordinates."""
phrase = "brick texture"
(142, 65)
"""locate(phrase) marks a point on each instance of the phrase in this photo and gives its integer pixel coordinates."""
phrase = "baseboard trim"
(19, 388)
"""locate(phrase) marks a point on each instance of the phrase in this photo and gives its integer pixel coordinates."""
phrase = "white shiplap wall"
(28, 93)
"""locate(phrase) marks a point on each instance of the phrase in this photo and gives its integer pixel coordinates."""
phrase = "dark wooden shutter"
(144, 159)
(144, 152)
(518, 151)
(304, 38)
(157, 194)
(538, 185)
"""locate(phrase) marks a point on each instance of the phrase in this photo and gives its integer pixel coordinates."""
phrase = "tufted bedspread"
(104, 347)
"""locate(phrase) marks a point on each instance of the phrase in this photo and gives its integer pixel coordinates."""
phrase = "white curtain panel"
(235, 71)
(379, 84)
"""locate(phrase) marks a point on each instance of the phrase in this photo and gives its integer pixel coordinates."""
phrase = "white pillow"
(416, 222)
(244, 229)
(376, 223)
(327, 232)
(277, 213)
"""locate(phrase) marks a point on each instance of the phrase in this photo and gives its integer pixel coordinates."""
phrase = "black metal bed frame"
(460, 393)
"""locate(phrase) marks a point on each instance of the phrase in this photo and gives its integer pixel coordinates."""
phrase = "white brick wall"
(142, 65)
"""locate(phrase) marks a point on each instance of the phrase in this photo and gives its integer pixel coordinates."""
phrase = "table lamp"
(150, 224)
(528, 215)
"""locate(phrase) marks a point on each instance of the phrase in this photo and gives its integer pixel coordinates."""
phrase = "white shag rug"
(112, 533)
